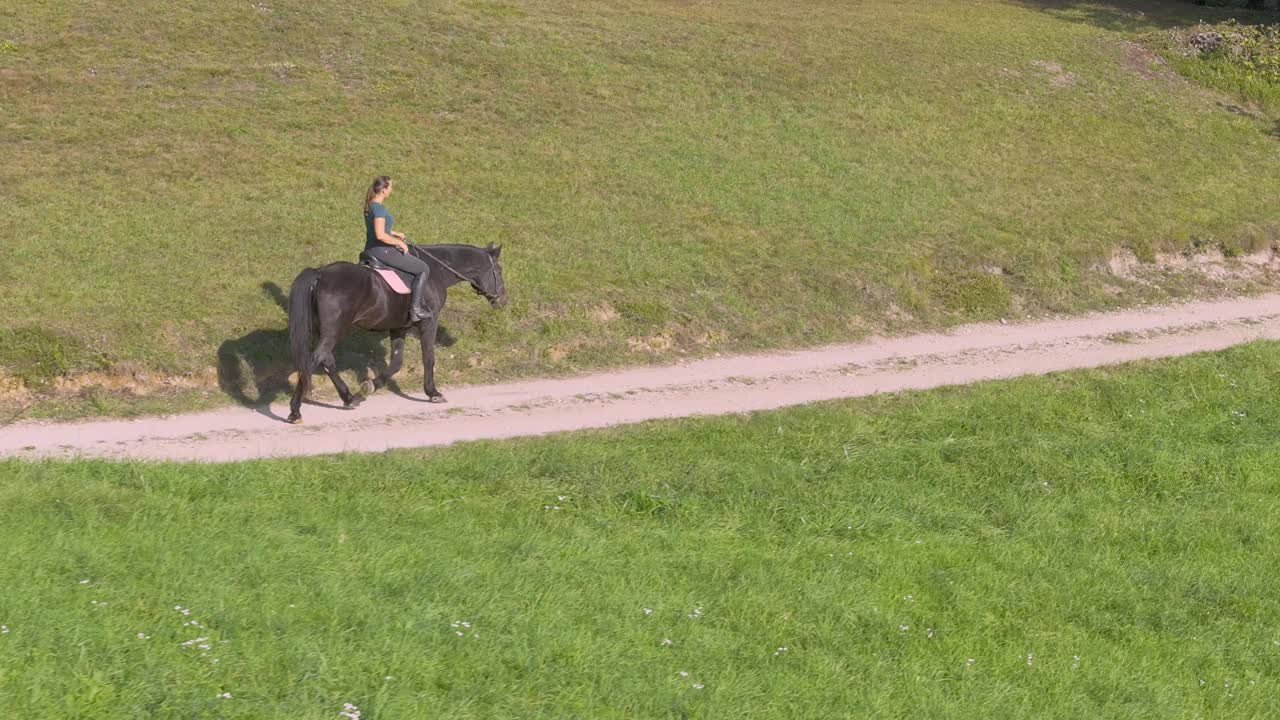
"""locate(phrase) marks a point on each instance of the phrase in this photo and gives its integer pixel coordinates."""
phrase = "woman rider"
(389, 246)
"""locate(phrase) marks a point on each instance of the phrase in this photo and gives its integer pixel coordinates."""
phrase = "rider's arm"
(380, 232)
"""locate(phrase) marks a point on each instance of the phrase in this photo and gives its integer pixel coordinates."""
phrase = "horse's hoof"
(368, 388)
(295, 419)
(437, 399)
(354, 402)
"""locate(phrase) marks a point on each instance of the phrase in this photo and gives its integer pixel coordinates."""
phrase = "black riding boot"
(418, 309)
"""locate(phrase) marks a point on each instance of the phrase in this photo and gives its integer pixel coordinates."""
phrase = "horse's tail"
(302, 324)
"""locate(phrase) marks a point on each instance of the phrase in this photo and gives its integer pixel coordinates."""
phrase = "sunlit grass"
(1092, 544)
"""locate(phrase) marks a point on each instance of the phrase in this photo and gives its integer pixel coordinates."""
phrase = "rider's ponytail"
(380, 183)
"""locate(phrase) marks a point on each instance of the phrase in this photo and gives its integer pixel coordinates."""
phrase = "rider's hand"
(404, 248)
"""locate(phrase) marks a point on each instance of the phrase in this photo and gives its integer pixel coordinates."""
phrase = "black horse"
(329, 301)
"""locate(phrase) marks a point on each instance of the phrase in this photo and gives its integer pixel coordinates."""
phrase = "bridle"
(475, 285)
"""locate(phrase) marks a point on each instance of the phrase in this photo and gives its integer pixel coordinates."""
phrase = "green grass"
(1092, 544)
(667, 178)
(1230, 77)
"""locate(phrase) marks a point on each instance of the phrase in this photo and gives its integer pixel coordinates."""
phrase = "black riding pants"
(398, 260)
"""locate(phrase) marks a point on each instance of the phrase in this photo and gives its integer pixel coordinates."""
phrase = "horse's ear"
(494, 250)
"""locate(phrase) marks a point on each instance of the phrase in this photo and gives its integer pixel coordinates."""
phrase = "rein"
(457, 274)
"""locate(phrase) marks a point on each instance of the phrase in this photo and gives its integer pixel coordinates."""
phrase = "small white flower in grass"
(697, 613)
(647, 611)
(215, 661)
(969, 662)
(909, 598)
(349, 711)
(389, 677)
(683, 673)
(1031, 658)
(143, 636)
(698, 686)
(1201, 683)
(1076, 662)
(4, 629)
(929, 633)
(666, 642)
(781, 649)
(903, 628)
(225, 696)
(85, 581)
(459, 633)
(562, 498)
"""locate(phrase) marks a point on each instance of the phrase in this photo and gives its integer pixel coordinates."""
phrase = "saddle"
(397, 280)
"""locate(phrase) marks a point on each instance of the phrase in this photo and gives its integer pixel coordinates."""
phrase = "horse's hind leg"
(349, 399)
(295, 404)
(323, 357)
(397, 359)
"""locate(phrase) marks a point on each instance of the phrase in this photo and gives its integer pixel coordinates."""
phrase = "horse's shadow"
(254, 369)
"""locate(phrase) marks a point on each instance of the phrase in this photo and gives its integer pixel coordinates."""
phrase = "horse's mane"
(459, 246)
(457, 251)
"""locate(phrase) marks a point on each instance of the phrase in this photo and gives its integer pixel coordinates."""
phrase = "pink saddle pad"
(393, 280)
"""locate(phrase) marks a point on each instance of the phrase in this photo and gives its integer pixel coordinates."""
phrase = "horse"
(330, 300)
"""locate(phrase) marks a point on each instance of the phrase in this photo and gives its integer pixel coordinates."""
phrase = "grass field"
(1093, 544)
(668, 178)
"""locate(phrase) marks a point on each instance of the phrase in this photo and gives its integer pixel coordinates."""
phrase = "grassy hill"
(668, 177)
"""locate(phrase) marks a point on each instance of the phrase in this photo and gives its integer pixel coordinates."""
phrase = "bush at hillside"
(1254, 49)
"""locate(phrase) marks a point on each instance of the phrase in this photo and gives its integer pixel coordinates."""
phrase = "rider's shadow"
(254, 369)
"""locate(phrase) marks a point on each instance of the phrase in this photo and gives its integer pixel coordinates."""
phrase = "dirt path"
(706, 387)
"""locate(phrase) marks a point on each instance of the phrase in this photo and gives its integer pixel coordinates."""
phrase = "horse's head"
(488, 282)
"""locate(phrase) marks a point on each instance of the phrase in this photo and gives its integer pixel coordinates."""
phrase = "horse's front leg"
(397, 360)
(428, 328)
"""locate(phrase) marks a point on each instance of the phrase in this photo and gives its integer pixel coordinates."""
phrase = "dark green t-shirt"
(376, 209)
